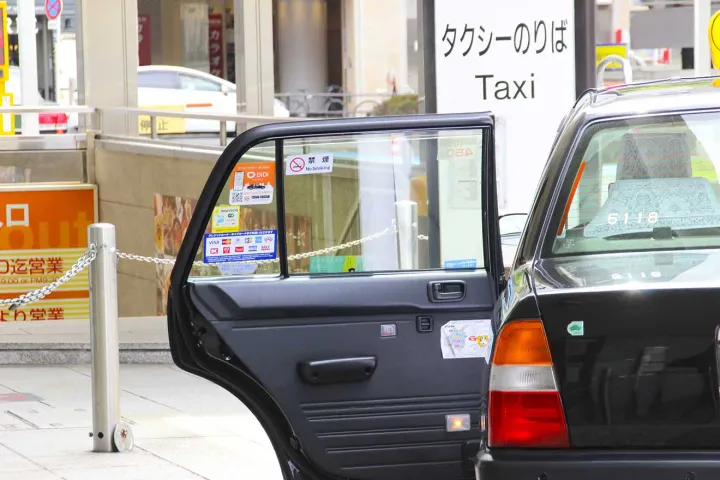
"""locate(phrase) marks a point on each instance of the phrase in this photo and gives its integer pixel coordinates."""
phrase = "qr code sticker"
(235, 197)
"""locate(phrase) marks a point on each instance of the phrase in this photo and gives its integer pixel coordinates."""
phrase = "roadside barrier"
(109, 432)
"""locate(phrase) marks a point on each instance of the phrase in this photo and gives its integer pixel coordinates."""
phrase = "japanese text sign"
(163, 125)
(215, 44)
(43, 232)
(517, 59)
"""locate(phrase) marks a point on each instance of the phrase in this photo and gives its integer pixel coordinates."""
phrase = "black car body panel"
(644, 374)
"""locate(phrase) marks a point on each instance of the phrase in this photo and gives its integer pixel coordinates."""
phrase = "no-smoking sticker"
(297, 164)
(308, 164)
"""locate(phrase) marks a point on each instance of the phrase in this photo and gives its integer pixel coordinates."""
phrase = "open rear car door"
(339, 277)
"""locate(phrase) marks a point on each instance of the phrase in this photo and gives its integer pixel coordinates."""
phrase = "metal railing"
(95, 118)
(336, 104)
(94, 122)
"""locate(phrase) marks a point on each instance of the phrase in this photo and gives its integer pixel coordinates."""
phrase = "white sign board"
(515, 58)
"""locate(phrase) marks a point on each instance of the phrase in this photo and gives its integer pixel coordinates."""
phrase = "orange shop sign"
(43, 232)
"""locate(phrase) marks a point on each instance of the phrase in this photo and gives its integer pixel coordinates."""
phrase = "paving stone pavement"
(184, 427)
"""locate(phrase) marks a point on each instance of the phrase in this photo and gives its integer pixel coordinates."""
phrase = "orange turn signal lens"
(522, 342)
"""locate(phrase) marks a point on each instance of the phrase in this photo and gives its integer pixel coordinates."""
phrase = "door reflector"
(458, 422)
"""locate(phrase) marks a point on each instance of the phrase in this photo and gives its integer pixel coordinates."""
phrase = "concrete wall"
(45, 165)
(127, 183)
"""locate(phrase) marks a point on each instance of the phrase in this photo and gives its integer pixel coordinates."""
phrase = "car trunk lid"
(633, 338)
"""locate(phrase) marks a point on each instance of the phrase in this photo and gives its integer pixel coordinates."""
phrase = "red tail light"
(525, 409)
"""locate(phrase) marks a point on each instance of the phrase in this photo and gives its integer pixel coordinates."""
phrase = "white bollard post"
(107, 433)
(407, 218)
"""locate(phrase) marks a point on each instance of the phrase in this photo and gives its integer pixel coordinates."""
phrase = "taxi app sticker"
(252, 183)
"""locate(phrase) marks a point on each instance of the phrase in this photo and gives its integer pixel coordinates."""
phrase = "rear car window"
(644, 184)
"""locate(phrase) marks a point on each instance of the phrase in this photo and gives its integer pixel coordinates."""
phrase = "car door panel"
(348, 359)
(363, 425)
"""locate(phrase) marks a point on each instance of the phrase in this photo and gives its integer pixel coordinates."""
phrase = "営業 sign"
(43, 232)
(515, 58)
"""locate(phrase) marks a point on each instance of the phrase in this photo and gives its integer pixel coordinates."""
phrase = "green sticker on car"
(576, 328)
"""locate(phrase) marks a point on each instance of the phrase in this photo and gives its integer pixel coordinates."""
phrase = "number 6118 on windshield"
(640, 217)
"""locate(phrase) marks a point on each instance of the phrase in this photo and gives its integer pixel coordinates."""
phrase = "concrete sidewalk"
(184, 428)
(67, 342)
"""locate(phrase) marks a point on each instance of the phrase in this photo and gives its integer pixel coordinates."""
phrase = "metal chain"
(29, 297)
(352, 243)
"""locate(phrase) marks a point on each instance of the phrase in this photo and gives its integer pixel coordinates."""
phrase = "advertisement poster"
(215, 44)
(144, 42)
(172, 217)
(43, 232)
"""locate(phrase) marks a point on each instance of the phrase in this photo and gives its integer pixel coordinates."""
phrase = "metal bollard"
(108, 434)
(407, 218)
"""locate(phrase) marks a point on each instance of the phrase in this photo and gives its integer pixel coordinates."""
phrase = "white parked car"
(196, 91)
(51, 122)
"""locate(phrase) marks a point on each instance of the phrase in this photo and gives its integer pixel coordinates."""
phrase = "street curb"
(35, 353)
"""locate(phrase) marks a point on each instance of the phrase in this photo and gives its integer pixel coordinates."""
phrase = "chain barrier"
(87, 258)
(299, 256)
(83, 262)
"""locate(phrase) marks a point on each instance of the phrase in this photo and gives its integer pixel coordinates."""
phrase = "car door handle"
(447, 291)
(337, 370)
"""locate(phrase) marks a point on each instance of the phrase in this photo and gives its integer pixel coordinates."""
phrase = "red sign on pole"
(53, 9)
(144, 45)
(215, 44)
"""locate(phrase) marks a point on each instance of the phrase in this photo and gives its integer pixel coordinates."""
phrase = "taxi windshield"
(647, 183)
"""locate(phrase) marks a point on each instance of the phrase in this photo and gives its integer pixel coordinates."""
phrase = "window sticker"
(238, 268)
(336, 264)
(460, 264)
(226, 219)
(466, 339)
(308, 164)
(240, 246)
(252, 184)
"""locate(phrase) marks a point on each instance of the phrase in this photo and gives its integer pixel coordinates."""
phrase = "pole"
(585, 74)
(407, 222)
(702, 12)
(28, 64)
(104, 337)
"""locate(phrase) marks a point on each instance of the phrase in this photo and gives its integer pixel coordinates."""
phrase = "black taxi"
(358, 303)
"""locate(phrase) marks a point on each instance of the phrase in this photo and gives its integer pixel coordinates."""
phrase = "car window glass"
(190, 82)
(354, 203)
(158, 80)
(645, 184)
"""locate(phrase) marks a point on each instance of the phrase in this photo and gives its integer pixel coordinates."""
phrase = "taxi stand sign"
(7, 123)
